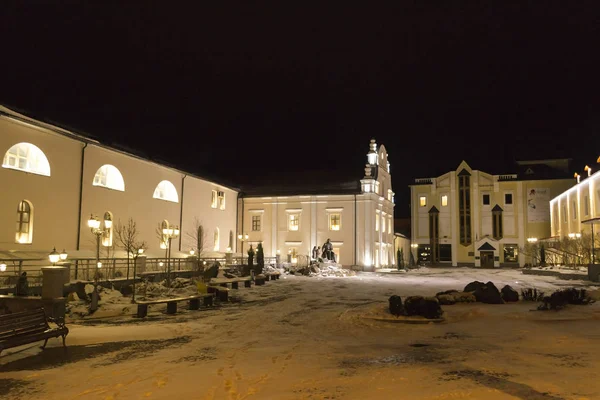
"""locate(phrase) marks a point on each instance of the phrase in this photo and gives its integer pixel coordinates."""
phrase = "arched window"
(110, 177)
(216, 238)
(28, 158)
(164, 240)
(24, 234)
(166, 191)
(230, 247)
(107, 236)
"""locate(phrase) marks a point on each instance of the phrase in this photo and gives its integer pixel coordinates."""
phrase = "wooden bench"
(193, 303)
(29, 326)
(259, 280)
(272, 275)
(233, 281)
(221, 292)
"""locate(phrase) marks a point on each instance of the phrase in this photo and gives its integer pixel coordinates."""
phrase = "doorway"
(487, 259)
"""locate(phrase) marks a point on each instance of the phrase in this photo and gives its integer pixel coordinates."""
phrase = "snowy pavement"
(308, 338)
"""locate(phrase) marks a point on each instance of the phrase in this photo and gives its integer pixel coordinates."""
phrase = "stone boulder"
(450, 297)
(428, 307)
(396, 307)
(509, 294)
(488, 294)
(127, 290)
(473, 286)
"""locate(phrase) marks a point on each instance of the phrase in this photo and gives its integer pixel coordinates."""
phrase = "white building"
(53, 180)
(358, 218)
(468, 217)
(577, 209)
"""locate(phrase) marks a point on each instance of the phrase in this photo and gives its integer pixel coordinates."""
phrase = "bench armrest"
(58, 321)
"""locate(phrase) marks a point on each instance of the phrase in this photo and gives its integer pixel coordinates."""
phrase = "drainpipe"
(181, 211)
(355, 232)
(80, 195)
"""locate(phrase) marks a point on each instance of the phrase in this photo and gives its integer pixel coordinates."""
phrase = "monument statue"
(327, 250)
(22, 288)
(315, 252)
(250, 256)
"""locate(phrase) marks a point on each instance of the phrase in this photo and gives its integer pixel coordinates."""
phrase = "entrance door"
(487, 259)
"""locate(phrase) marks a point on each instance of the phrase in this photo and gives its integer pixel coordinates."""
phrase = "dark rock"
(126, 290)
(509, 294)
(211, 272)
(396, 307)
(446, 299)
(561, 298)
(471, 287)
(488, 294)
(428, 307)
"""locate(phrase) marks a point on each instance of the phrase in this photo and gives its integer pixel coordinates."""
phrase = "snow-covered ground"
(310, 338)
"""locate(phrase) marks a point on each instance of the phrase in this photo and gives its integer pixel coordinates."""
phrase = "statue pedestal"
(53, 281)
(140, 264)
(228, 258)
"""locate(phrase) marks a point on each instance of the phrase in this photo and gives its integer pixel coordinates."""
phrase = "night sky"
(252, 91)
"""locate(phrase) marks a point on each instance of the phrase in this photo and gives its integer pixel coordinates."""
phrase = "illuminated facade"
(357, 219)
(578, 204)
(468, 217)
(53, 180)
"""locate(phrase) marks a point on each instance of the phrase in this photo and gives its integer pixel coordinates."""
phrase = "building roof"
(65, 130)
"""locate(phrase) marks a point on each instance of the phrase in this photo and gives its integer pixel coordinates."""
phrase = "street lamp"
(54, 256)
(95, 226)
(242, 238)
(63, 255)
(192, 252)
(170, 234)
(2, 267)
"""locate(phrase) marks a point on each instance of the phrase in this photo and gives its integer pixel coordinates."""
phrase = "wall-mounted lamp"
(576, 175)
(588, 169)
(532, 240)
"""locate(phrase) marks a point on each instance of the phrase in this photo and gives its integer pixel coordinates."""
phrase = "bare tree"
(127, 237)
(163, 241)
(532, 250)
(198, 238)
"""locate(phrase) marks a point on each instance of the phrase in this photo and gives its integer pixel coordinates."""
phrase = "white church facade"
(53, 180)
(358, 220)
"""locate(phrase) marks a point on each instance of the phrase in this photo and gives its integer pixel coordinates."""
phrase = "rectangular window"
(221, 196)
(464, 209)
(377, 222)
(335, 222)
(293, 254)
(444, 200)
(564, 211)
(383, 224)
(422, 201)
(213, 202)
(294, 222)
(486, 199)
(508, 198)
(256, 223)
(574, 210)
(586, 205)
(390, 225)
(511, 253)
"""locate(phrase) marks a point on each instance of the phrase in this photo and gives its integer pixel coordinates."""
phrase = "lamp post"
(98, 229)
(54, 256)
(242, 238)
(170, 234)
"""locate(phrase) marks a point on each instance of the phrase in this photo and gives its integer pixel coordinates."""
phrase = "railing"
(112, 268)
(507, 177)
(424, 181)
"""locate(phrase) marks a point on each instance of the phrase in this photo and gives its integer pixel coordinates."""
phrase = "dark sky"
(254, 89)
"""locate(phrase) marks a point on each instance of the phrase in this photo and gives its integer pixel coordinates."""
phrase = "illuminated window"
(216, 239)
(107, 236)
(213, 201)
(422, 201)
(383, 224)
(390, 225)
(256, 223)
(221, 197)
(230, 247)
(294, 222)
(28, 158)
(335, 222)
(108, 176)
(164, 241)
(24, 234)
(377, 222)
(165, 190)
(511, 253)
(444, 200)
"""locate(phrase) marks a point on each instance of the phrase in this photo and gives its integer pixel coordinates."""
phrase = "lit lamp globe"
(2, 267)
(240, 237)
(54, 256)
(63, 255)
(176, 231)
(93, 223)
(192, 252)
(140, 251)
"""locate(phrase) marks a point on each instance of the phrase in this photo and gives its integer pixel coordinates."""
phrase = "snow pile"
(331, 270)
(179, 287)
